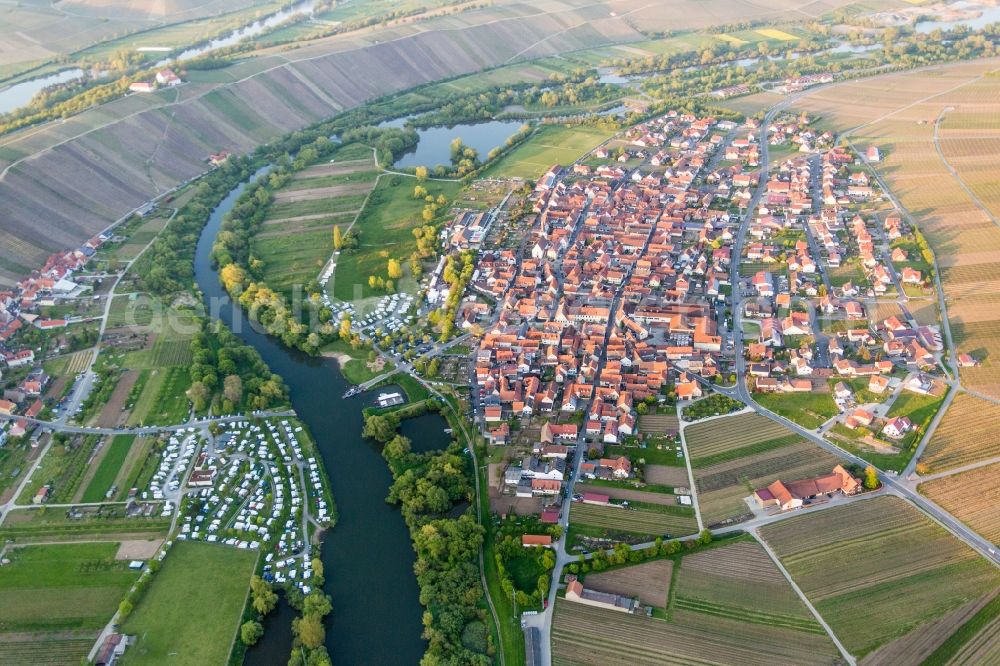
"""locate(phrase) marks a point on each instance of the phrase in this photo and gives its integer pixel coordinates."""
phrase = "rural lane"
(812, 609)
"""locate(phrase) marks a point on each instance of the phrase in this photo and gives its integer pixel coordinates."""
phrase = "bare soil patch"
(649, 581)
(113, 413)
(667, 475)
(136, 549)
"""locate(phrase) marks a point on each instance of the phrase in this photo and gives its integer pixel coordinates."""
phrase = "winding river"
(367, 557)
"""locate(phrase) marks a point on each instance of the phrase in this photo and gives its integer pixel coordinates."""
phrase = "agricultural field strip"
(971, 496)
(740, 581)
(695, 639)
(856, 575)
(731, 433)
(639, 521)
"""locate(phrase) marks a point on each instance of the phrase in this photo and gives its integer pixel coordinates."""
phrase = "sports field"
(189, 614)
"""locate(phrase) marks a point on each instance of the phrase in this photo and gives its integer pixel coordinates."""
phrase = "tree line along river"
(368, 558)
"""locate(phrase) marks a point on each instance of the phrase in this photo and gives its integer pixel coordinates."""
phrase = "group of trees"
(508, 549)
(714, 67)
(457, 272)
(224, 368)
(426, 487)
(308, 645)
(464, 159)
(622, 554)
(167, 267)
(389, 142)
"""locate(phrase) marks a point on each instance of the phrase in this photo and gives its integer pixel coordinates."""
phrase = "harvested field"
(965, 435)
(722, 439)
(337, 168)
(313, 194)
(972, 497)
(649, 582)
(638, 521)
(739, 581)
(692, 638)
(667, 475)
(903, 570)
(658, 424)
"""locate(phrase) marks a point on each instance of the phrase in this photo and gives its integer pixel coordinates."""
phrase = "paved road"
(408, 367)
(57, 426)
(740, 391)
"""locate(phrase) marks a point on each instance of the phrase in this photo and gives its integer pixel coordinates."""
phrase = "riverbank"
(370, 544)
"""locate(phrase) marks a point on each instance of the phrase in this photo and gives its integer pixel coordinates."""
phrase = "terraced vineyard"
(966, 434)
(583, 635)
(878, 569)
(727, 438)
(677, 522)
(972, 497)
